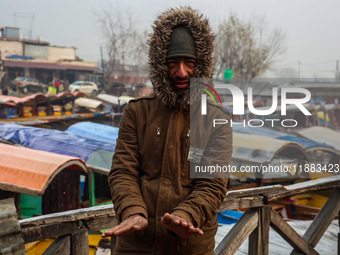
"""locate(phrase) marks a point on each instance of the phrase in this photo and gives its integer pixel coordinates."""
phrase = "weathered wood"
(239, 233)
(323, 219)
(73, 215)
(259, 239)
(57, 224)
(48, 231)
(11, 242)
(99, 223)
(289, 234)
(60, 246)
(304, 187)
(253, 191)
(80, 242)
(239, 203)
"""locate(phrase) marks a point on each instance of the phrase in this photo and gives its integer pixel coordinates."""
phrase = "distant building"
(37, 58)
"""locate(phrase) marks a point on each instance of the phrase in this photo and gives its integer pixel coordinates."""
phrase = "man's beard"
(182, 94)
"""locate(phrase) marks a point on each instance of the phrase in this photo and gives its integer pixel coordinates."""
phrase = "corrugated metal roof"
(11, 242)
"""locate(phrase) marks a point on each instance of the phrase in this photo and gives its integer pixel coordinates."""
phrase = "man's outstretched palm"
(131, 224)
(180, 226)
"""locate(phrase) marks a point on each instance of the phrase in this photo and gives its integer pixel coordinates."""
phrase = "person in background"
(161, 208)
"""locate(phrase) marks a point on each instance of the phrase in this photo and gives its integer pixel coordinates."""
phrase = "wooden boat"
(42, 183)
(49, 110)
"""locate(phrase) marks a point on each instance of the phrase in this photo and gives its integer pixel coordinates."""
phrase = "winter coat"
(158, 150)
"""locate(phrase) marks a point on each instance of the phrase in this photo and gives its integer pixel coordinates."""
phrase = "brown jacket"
(151, 174)
(158, 147)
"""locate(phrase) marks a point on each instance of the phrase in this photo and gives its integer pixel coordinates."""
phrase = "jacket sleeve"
(209, 190)
(124, 181)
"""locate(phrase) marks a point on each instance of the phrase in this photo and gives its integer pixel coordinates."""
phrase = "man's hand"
(131, 224)
(180, 226)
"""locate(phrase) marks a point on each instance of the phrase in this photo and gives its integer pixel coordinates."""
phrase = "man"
(161, 207)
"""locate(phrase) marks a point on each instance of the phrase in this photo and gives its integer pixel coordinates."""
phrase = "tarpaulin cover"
(30, 171)
(95, 131)
(261, 149)
(56, 141)
(263, 131)
(322, 134)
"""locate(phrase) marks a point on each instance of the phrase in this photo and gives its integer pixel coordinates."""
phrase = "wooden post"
(239, 233)
(323, 219)
(80, 242)
(259, 239)
(11, 242)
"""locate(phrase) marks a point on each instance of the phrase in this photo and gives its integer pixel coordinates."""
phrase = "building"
(39, 59)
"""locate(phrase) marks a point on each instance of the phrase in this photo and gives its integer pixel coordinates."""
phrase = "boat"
(96, 154)
(42, 183)
(51, 111)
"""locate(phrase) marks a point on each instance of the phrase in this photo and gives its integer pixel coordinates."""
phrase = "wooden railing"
(71, 227)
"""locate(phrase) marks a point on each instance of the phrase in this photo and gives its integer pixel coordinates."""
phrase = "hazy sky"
(311, 26)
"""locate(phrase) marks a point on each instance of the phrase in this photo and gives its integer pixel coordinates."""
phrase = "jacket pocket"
(158, 134)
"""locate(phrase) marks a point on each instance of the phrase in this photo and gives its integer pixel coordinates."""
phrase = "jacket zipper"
(186, 147)
(158, 133)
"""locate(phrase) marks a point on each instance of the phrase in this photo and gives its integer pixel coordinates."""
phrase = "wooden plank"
(239, 233)
(323, 219)
(239, 203)
(73, 215)
(57, 224)
(259, 239)
(99, 223)
(253, 191)
(307, 186)
(48, 231)
(80, 242)
(60, 246)
(289, 234)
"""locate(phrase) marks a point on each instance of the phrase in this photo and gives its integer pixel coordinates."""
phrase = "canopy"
(114, 100)
(322, 135)
(262, 150)
(30, 171)
(91, 104)
(264, 131)
(99, 153)
(95, 131)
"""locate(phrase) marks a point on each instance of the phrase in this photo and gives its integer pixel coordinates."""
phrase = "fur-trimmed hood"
(158, 42)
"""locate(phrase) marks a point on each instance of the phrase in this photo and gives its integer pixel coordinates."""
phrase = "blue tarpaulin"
(93, 152)
(264, 131)
(95, 131)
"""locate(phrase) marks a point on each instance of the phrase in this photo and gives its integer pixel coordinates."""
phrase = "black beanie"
(181, 44)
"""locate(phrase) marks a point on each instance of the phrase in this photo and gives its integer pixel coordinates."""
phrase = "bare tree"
(246, 47)
(123, 40)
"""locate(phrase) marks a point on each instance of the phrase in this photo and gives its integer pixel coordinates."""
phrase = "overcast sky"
(311, 26)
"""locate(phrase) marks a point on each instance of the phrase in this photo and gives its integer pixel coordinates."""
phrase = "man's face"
(180, 71)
